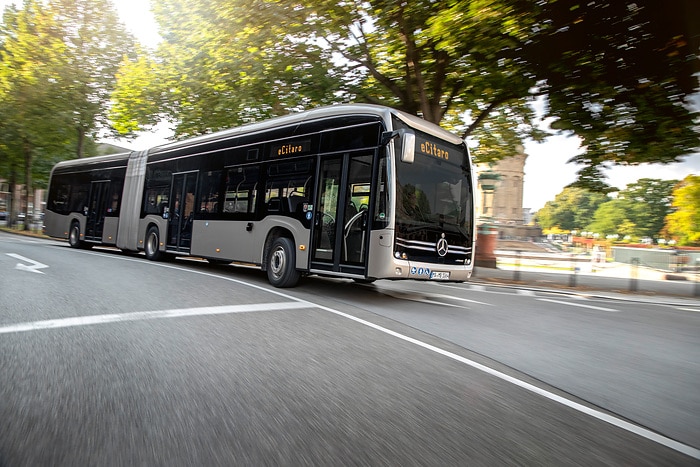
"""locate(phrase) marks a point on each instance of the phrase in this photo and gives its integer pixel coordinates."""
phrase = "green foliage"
(613, 217)
(617, 74)
(638, 211)
(683, 223)
(619, 77)
(94, 43)
(649, 203)
(572, 209)
(57, 67)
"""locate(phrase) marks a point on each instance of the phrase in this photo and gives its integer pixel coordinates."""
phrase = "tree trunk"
(27, 181)
(14, 200)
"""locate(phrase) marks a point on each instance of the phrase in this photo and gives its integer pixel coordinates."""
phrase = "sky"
(546, 169)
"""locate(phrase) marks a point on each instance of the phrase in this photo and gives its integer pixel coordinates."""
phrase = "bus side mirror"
(406, 145)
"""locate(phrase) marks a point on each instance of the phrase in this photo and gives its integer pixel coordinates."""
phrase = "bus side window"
(209, 192)
(382, 206)
(241, 190)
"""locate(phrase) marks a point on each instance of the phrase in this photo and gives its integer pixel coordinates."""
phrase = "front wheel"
(152, 246)
(281, 270)
(74, 236)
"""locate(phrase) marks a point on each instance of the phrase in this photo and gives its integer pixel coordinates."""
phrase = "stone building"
(501, 201)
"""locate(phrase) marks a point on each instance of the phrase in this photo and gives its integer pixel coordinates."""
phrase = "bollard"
(516, 271)
(633, 274)
(697, 277)
(574, 270)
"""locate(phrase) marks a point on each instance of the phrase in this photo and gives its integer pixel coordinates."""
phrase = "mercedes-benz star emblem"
(441, 246)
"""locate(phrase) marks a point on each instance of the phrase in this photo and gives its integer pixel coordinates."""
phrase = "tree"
(649, 203)
(614, 218)
(30, 49)
(572, 209)
(683, 224)
(94, 44)
(638, 210)
(58, 60)
(617, 74)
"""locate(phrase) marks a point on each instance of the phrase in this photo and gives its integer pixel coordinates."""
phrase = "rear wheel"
(152, 245)
(281, 269)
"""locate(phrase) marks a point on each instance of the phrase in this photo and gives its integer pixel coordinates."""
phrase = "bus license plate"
(439, 275)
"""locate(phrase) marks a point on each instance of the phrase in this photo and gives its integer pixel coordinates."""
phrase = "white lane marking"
(697, 310)
(526, 293)
(424, 297)
(643, 432)
(561, 302)
(144, 315)
(35, 265)
(452, 297)
(615, 421)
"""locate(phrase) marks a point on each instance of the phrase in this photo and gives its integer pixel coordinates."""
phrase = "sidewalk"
(612, 280)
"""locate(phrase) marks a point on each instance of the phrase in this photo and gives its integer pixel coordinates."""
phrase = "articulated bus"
(357, 191)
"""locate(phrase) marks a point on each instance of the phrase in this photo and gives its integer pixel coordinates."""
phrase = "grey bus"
(357, 191)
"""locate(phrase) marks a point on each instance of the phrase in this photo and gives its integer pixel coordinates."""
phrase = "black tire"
(152, 244)
(281, 269)
(74, 235)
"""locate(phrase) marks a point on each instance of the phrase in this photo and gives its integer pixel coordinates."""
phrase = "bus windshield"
(434, 190)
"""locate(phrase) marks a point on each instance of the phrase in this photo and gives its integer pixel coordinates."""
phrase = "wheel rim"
(277, 262)
(151, 244)
(74, 234)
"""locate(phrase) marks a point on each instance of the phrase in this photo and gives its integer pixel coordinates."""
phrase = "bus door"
(181, 211)
(96, 210)
(341, 230)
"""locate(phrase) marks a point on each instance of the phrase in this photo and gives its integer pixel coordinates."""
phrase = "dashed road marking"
(593, 307)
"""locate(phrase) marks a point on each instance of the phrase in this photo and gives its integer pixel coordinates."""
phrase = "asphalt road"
(108, 359)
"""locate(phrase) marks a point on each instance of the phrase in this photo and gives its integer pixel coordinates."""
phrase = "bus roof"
(93, 161)
(316, 114)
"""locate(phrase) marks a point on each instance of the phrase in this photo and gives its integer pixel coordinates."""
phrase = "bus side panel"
(130, 212)
(109, 232)
(234, 242)
(57, 225)
(227, 240)
(380, 261)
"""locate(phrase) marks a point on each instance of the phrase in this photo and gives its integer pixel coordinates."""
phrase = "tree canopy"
(616, 74)
(683, 223)
(58, 60)
(637, 211)
(571, 209)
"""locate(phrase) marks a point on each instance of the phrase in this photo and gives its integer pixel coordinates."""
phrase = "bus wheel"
(74, 236)
(152, 246)
(281, 271)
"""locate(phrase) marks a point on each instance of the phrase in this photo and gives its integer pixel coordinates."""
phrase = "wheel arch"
(272, 235)
(150, 224)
